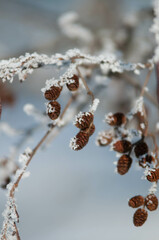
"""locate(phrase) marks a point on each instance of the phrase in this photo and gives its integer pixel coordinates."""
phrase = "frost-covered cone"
(140, 149)
(104, 138)
(136, 201)
(151, 202)
(73, 83)
(153, 175)
(123, 165)
(80, 141)
(148, 159)
(116, 119)
(122, 146)
(83, 120)
(53, 93)
(140, 217)
(53, 110)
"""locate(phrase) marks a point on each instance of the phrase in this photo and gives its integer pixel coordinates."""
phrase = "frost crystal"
(153, 188)
(26, 64)
(94, 106)
(138, 107)
(79, 117)
(10, 213)
(142, 125)
(72, 29)
(109, 117)
(8, 130)
(30, 110)
(73, 145)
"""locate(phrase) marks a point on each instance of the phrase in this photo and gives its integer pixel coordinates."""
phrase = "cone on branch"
(151, 202)
(53, 109)
(153, 175)
(123, 165)
(140, 217)
(140, 149)
(84, 120)
(73, 83)
(145, 161)
(136, 201)
(122, 146)
(116, 119)
(79, 141)
(53, 93)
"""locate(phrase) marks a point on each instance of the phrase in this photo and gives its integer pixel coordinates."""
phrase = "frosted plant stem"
(146, 82)
(16, 183)
(89, 92)
(136, 85)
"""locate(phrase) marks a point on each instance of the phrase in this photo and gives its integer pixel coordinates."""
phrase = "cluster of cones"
(52, 94)
(125, 147)
(141, 214)
(84, 121)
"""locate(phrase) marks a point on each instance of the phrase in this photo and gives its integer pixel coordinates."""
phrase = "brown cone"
(153, 175)
(136, 201)
(122, 146)
(123, 165)
(117, 119)
(84, 120)
(75, 85)
(140, 217)
(53, 93)
(148, 159)
(140, 149)
(56, 108)
(81, 140)
(151, 202)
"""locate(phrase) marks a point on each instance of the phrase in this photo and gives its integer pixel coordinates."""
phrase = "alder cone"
(53, 93)
(148, 159)
(123, 165)
(81, 140)
(153, 175)
(84, 121)
(122, 146)
(140, 149)
(54, 109)
(151, 202)
(75, 85)
(136, 201)
(140, 217)
(117, 119)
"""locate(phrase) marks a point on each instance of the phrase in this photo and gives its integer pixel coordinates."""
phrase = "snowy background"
(69, 195)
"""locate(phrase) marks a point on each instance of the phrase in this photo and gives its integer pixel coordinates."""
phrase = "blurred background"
(74, 195)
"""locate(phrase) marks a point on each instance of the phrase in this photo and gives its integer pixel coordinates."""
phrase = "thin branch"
(89, 92)
(16, 183)
(145, 83)
(135, 84)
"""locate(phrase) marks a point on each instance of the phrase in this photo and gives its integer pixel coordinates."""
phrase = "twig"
(145, 83)
(16, 183)
(134, 83)
(89, 92)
